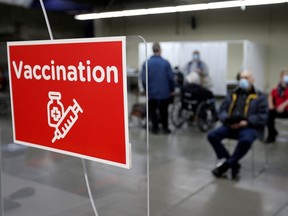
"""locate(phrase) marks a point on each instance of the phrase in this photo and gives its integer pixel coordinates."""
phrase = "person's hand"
(199, 72)
(173, 93)
(271, 106)
(234, 126)
(243, 123)
(142, 93)
(282, 107)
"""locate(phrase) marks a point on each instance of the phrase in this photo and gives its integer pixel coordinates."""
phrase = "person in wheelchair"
(244, 114)
(194, 91)
(197, 103)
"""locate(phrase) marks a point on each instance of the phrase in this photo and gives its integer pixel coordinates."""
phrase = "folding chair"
(255, 173)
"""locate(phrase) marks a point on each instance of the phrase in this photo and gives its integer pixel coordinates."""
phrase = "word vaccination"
(81, 72)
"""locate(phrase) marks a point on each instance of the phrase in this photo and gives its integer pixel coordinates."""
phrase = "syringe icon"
(67, 120)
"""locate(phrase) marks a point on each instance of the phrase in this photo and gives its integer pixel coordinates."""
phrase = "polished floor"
(41, 183)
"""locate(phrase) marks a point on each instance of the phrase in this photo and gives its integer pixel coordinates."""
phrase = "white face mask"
(196, 56)
(244, 84)
(285, 79)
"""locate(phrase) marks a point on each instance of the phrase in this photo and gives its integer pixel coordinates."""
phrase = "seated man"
(244, 115)
(278, 105)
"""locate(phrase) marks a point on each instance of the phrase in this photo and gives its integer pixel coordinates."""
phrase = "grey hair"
(156, 47)
(193, 77)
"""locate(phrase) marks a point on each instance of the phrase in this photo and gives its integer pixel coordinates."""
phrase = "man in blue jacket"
(244, 114)
(160, 88)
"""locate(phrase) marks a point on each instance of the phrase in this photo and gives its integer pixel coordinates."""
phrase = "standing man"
(244, 115)
(200, 67)
(160, 88)
(278, 105)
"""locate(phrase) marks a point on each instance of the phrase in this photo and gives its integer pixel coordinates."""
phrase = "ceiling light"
(225, 4)
(263, 2)
(181, 8)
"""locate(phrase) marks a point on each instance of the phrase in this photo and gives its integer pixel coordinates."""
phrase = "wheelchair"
(186, 109)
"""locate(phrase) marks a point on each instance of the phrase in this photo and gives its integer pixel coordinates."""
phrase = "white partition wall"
(214, 54)
(255, 60)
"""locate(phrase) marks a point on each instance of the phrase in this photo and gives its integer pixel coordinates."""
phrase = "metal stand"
(83, 161)
(266, 164)
(1, 193)
(88, 187)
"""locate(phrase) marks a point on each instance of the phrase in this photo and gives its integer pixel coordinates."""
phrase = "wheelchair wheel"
(178, 114)
(206, 116)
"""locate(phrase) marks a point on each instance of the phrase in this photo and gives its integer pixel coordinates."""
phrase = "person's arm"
(223, 109)
(241, 124)
(186, 69)
(171, 78)
(205, 71)
(143, 76)
(281, 108)
(270, 101)
(259, 119)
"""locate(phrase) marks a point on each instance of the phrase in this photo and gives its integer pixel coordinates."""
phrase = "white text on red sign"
(81, 72)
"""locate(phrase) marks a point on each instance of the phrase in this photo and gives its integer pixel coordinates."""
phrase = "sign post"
(69, 96)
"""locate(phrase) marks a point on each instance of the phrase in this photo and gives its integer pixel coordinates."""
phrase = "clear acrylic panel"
(40, 182)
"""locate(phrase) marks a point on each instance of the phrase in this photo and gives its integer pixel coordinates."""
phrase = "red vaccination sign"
(70, 96)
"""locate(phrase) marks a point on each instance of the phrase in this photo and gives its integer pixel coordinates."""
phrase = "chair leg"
(255, 173)
(253, 161)
(266, 164)
(266, 156)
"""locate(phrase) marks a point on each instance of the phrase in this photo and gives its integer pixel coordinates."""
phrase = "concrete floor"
(41, 183)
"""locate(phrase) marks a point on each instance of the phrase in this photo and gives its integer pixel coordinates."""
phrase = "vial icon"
(55, 108)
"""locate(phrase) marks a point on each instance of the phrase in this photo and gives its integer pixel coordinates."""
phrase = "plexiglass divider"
(41, 182)
(1, 193)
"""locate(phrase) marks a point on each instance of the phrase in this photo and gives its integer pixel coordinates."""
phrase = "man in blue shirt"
(160, 88)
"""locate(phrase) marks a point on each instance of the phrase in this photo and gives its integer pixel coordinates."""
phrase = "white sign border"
(122, 39)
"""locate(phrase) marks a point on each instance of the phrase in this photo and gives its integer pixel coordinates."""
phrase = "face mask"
(244, 84)
(285, 79)
(195, 57)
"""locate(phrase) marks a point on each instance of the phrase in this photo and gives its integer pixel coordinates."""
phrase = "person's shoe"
(154, 131)
(166, 131)
(270, 139)
(220, 168)
(235, 170)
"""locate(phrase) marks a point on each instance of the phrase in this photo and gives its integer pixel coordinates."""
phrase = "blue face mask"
(285, 79)
(196, 57)
(244, 84)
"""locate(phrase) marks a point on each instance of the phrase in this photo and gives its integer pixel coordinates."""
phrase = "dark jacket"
(160, 77)
(255, 109)
(196, 92)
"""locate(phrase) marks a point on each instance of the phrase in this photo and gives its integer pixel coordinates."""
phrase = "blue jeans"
(245, 136)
